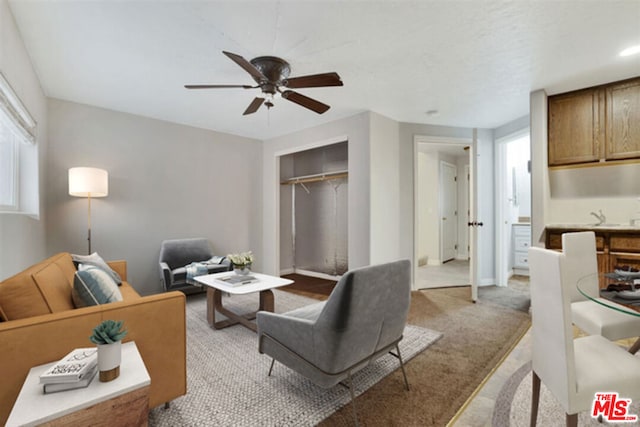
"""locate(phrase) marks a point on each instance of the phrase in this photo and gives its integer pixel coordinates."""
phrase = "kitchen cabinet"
(614, 247)
(595, 125)
(622, 136)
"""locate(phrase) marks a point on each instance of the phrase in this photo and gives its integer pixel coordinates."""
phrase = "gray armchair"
(177, 254)
(327, 342)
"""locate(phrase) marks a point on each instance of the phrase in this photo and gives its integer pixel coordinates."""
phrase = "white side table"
(123, 401)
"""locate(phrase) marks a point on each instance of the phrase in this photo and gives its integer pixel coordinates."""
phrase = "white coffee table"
(215, 288)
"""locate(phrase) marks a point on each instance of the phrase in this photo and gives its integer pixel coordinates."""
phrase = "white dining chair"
(573, 370)
(594, 319)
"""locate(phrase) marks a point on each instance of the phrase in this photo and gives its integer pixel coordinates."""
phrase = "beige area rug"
(513, 405)
(475, 339)
(227, 382)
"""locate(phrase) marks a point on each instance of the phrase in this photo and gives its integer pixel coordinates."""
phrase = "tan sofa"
(40, 324)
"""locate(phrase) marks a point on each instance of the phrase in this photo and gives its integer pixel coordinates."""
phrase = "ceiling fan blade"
(315, 80)
(219, 86)
(253, 107)
(305, 101)
(247, 66)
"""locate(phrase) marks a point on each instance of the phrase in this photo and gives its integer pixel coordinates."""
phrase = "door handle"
(475, 224)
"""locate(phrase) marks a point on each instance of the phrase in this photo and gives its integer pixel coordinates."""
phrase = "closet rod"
(315, 178)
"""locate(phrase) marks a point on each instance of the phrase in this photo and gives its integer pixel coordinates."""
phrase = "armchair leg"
(404, 374)
(353, 400)
(271, 367)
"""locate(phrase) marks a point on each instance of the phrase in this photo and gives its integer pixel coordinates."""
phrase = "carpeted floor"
(227, 380)
(475, 338)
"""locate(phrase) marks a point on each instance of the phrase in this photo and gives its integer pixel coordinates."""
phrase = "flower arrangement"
(243, 259)
(108, 332)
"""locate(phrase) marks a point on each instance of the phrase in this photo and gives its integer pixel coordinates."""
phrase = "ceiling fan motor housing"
(276, 70)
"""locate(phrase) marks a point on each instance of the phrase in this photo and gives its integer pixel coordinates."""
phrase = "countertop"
(593, 227)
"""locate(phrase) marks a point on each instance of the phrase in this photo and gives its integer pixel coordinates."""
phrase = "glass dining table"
(622, 294)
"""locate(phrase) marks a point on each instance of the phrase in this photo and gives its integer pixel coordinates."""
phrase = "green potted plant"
(241, 262)
(108, 338)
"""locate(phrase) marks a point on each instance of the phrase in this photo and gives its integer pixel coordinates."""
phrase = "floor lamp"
(88, 182)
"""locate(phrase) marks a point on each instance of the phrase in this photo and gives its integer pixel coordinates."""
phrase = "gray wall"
(22, 238)
(165, 181)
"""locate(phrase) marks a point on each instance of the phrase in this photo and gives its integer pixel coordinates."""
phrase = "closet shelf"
(325, 176)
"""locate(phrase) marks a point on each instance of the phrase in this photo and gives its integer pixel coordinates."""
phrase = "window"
(17, 147)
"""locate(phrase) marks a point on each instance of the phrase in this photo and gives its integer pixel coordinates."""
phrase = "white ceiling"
(473, 61)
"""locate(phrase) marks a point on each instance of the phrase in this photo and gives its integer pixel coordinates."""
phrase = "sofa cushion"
(54, 287)
(94, 286)
(95, 260)
(20, 297)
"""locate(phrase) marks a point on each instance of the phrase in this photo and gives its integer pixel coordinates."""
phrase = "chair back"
(581, 261)
(366, 312)
(552, 334)
(180, 252)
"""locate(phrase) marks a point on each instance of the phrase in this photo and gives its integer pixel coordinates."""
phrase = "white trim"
(16, 111)
(426, 139)
(286, 271)
(312, 145)
(276, 158)
(514, 135)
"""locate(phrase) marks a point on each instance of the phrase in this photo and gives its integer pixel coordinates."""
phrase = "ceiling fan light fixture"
(268, 99)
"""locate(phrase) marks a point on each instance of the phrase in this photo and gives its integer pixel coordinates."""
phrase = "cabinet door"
(623, 120)
(575, 132)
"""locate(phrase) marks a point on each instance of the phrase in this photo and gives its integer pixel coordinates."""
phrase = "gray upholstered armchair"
(363, 319)
(177, 254)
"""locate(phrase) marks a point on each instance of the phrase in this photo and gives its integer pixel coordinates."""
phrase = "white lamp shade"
(85, 182)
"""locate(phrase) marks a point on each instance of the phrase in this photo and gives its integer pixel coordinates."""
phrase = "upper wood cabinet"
(595, 124)
(623, 120)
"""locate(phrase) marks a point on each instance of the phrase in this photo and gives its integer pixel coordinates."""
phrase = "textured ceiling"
(473, 61)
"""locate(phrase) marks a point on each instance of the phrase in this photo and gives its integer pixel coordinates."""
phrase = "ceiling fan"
(272, 77)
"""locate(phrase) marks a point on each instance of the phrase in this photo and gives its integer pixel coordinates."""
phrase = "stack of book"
(75, 370)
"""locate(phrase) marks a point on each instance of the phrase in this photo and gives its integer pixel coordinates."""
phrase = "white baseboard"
(286, 271)
(521, 271)
(316, 274)
(431, 261)
(487, 282)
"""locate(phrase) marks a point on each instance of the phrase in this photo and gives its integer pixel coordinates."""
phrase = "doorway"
(442, 189)
(513, 206)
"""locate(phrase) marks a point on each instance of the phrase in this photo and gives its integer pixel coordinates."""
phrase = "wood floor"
(311, 287)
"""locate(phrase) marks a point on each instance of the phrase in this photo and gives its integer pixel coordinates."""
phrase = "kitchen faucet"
(601, 217)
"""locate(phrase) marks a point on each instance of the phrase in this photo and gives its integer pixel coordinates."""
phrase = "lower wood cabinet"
(614, 248)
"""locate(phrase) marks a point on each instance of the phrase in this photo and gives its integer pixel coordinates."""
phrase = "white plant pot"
(109, 357)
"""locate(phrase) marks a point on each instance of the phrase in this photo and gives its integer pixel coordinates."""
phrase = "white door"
(448, 211)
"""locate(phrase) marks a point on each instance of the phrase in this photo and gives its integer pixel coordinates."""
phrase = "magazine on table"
(84, 382)
(238, 280)
(74, 367)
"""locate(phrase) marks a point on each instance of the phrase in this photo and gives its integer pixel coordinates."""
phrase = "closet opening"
(313, 212)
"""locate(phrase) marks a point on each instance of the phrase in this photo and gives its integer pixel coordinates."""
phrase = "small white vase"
(109, 357)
